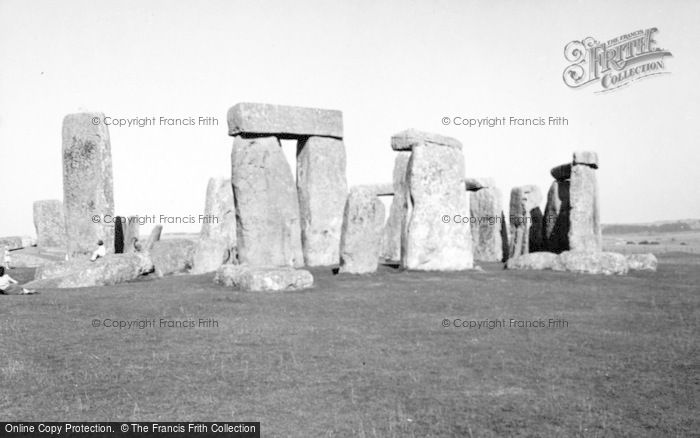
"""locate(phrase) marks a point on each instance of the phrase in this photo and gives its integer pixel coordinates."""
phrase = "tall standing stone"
(119, 234)
(49, 223)
(391, 238)
(435, 181)
(585, 231)
(267, 209)
(87, 183)
(217, 238)
(322, 190)
(361, 233)
(556, 217)
(525, 221)
(487, 224)
(131, 233)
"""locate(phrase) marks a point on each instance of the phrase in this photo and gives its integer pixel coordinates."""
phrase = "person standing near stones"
(8, 285)
(99, 252)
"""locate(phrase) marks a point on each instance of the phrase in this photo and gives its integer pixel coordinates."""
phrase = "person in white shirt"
(8, 285)
(99, 252)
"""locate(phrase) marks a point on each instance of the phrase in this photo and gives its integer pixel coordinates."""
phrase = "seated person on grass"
(8, 285)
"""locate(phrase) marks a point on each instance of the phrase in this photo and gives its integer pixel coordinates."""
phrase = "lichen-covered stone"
(87, 183)
(322, 190)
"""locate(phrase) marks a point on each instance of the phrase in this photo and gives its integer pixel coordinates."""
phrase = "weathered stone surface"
(23, 260)
(217, 239)
(379, 189)
(406, 140)
(593, 262)
(152, 238)
(589, 158)
(49, 223)
(535, 260)
(132, 228)
(289, 122)
(267, 208)
(87, 183)
(556, 217)
(361, 235)
(322, 190)
(584, 217)
(391, 237)
(561, 172)
(170, 256)
(526, 221)
(474, 184)
(11, 242)
(642, 262)
(108, 270)
(436, 188)
(262, 279)
(487, 224)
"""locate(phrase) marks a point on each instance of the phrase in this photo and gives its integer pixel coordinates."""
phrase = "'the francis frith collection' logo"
(616, 62)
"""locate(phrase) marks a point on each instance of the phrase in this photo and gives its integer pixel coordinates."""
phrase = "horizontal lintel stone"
(285, 122)
(406, 140)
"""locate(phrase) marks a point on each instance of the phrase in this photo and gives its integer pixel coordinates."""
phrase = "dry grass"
(368, 356)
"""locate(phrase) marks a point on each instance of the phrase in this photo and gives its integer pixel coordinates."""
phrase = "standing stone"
(435, 179)
(525, 221)
(118, 235)
(322, 190)
(361, 236)
(153, 238)
(391, 239)
(584, 230)
(556, 217)
(487, 224)
(87, 183)
(267, 209)
(217, 239)
(49, 223)
(131, 233)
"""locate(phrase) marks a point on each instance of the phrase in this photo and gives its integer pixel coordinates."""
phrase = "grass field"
(368, 356)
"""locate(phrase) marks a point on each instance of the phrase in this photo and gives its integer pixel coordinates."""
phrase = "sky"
(388, 65)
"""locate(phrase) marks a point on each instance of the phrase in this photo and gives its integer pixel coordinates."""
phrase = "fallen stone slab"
(49, 223)
(267, 206)
(535, 260)
(322, 189)
(105, 271)
(435, 179)
(406, 140)
(286, 122)
(170, 256)
(263, 279)
(87, 183)
(361, 235)
(22, 260)
(391, 237)
(607, 263)
(642, 262)
(217, 238)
